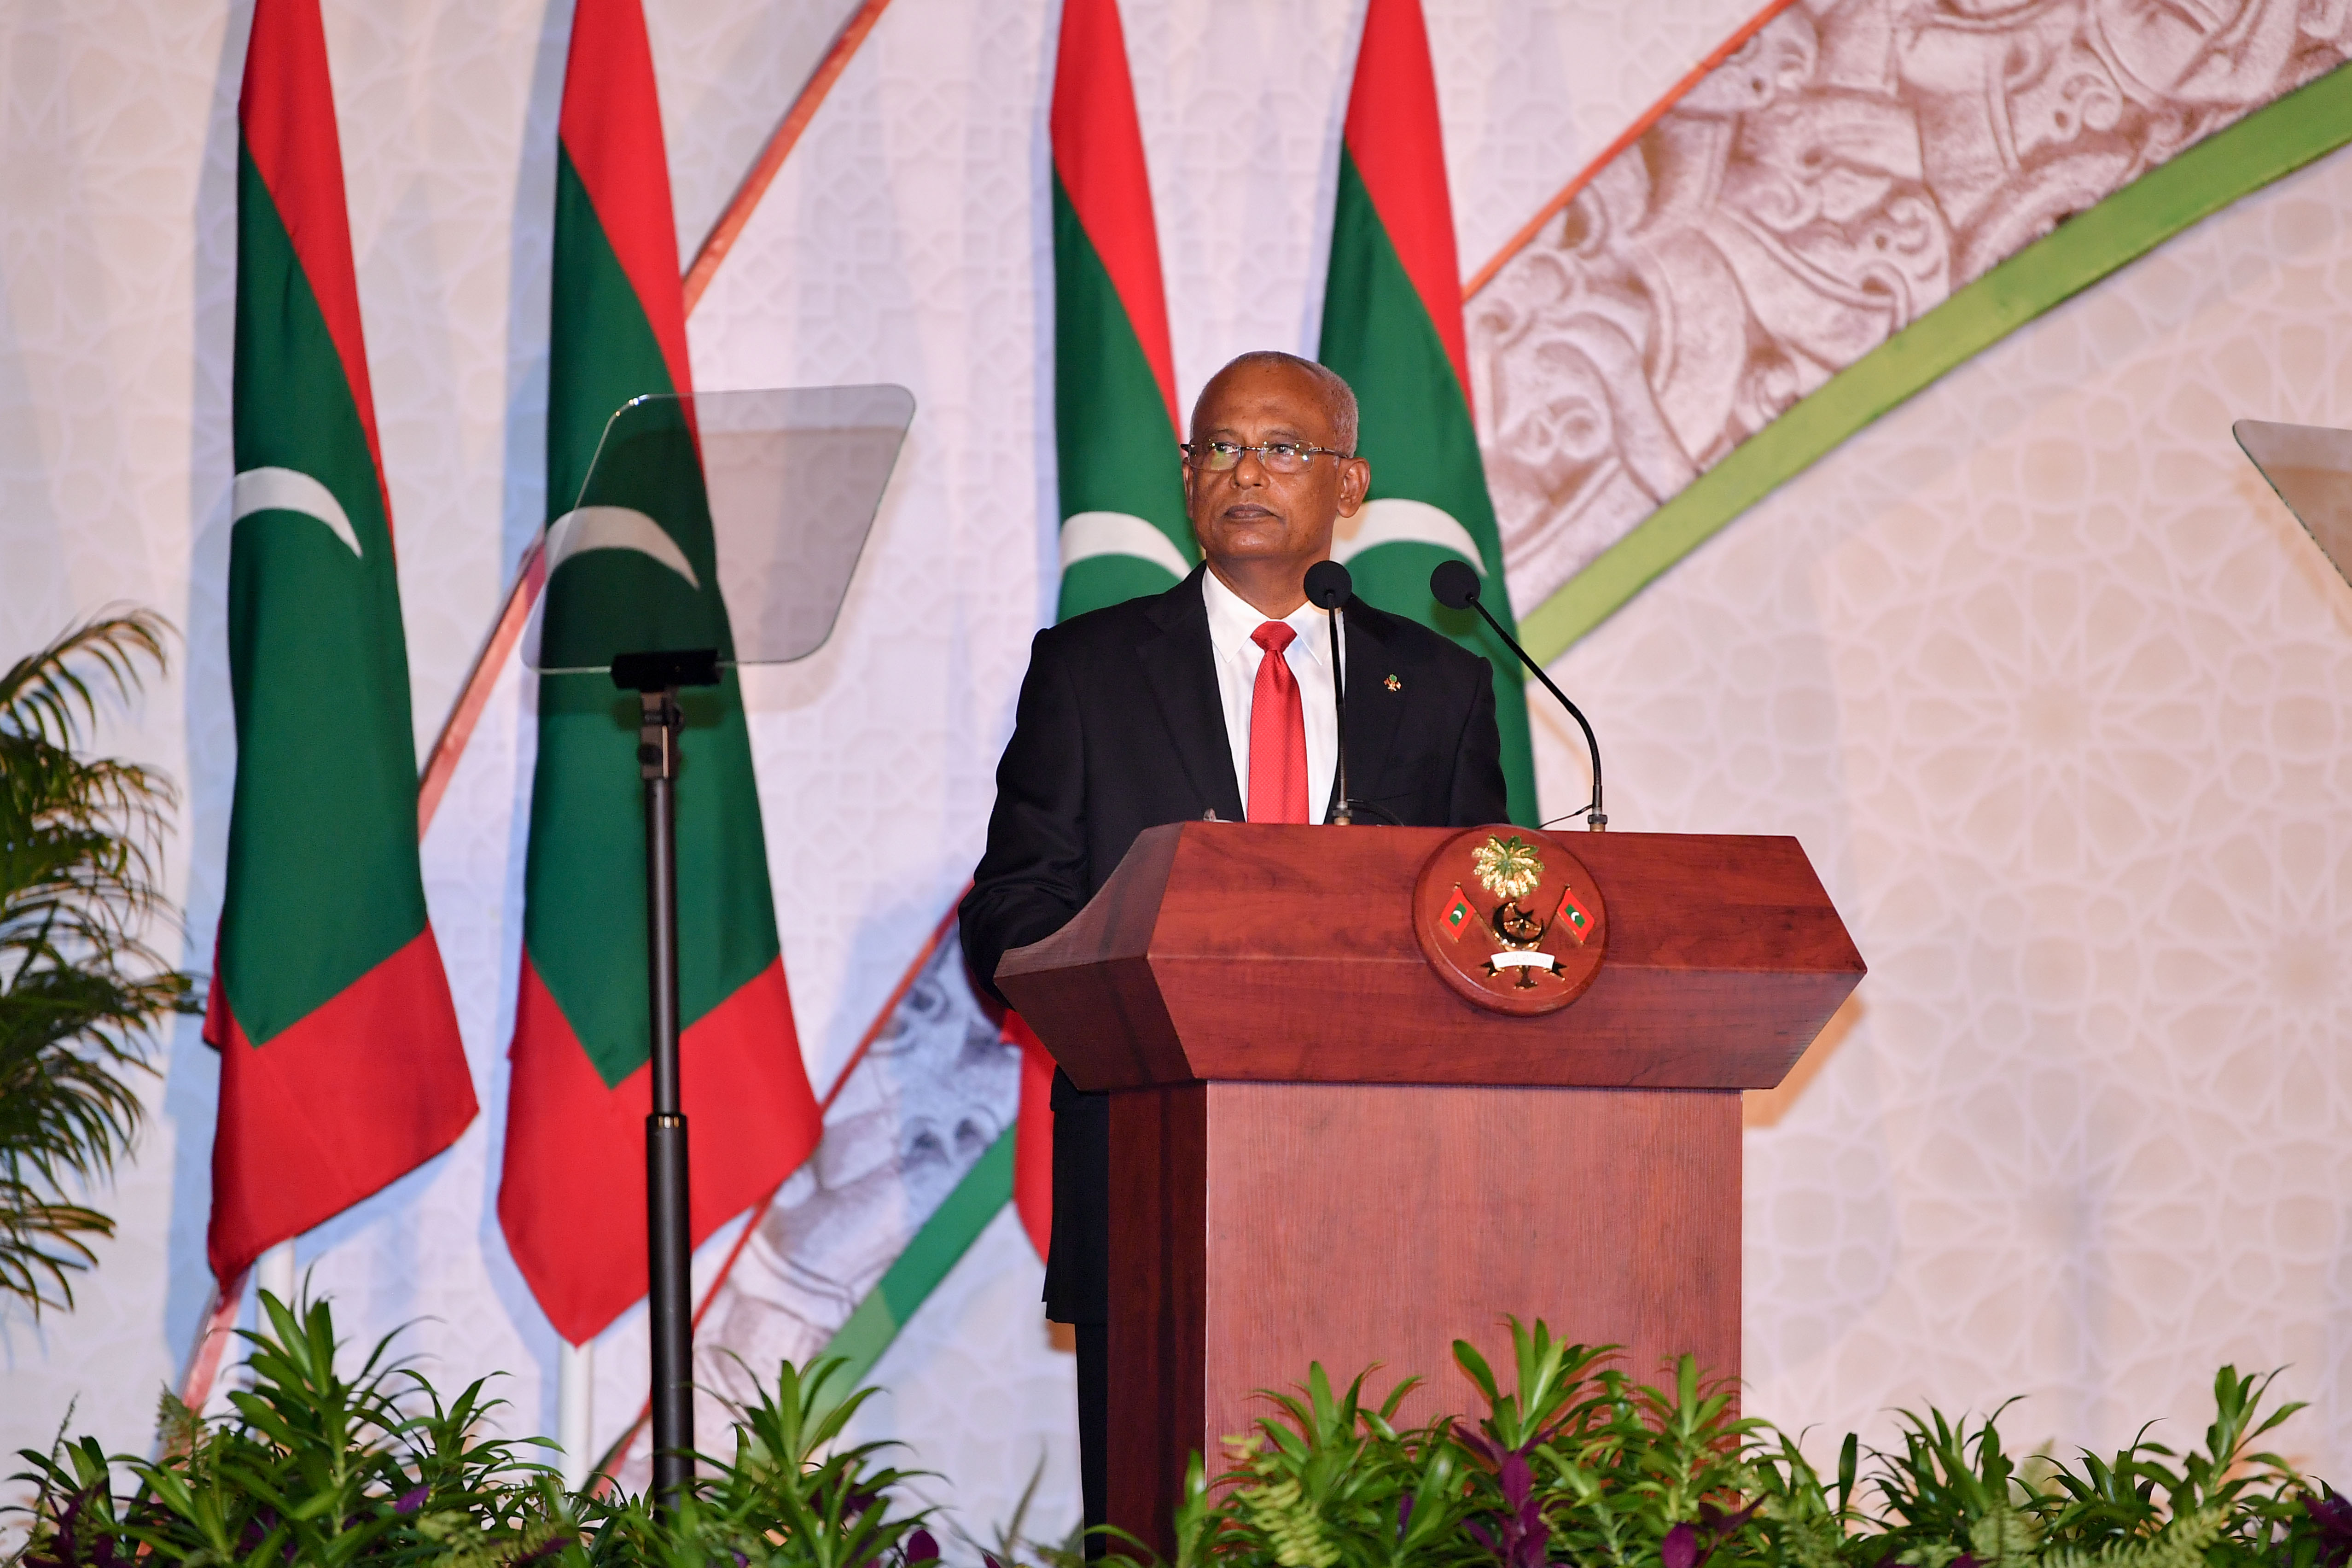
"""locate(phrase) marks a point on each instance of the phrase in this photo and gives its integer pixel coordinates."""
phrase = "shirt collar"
(1233, 619)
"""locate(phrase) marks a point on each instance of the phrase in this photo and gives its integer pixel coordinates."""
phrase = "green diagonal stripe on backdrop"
(944, 1238)
(907, 1284)
(2273, 142)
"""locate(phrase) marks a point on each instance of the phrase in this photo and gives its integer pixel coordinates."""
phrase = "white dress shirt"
(1232, 619)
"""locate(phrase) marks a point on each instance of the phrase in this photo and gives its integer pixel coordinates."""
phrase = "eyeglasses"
(1280, 456)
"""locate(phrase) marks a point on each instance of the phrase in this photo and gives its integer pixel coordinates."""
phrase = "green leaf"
(80, 846)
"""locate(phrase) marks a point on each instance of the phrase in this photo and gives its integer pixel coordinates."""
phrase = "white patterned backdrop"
(2052, 691)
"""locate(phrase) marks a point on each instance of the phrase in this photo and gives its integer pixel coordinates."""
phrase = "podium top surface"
(1233, 951)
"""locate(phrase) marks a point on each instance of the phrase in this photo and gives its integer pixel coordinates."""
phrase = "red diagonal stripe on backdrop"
(611, 126)
(1099, 153)
(1398, 145)
(287, 111)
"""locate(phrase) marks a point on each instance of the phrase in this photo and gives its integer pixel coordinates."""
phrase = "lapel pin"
(1393, 684)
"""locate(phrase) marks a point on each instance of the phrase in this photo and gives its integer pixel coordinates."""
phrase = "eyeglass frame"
(1262, 449)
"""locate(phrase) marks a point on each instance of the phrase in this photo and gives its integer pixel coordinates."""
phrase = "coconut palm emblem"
(1507, 868)
(1510, 869)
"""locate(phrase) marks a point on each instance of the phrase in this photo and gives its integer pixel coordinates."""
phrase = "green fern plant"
(315, 1466)
(1578, 1464)
(794, 1496)
(80, 842)
(1575, 1466)
(1329, 1481)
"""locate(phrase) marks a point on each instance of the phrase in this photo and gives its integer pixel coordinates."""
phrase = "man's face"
(1248, 513)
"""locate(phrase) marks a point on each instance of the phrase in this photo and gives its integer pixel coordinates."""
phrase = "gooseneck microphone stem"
(1454, 583)
(1327, 586)
(1343, 813)
(1595, 819)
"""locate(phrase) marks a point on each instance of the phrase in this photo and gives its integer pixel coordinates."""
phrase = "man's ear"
(1192, 522)
(1355, 478)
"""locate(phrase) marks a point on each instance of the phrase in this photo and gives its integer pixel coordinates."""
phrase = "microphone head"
(1453, 584)
(1328, 584)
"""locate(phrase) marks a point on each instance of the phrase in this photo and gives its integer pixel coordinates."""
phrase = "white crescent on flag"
(1086, 534)
(615, 528)
(1393, 521)
(291, 490)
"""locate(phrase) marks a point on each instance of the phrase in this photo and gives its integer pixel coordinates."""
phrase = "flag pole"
(274, 1271)
(575, 1392)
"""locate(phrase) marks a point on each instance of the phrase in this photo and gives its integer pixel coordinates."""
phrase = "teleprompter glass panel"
(727, 520)
(2311, 467)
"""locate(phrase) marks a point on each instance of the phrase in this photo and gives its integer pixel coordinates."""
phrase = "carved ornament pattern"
(1831, 182)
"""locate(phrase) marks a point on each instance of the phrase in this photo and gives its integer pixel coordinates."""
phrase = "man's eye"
(1283, 451)
(1225, 448)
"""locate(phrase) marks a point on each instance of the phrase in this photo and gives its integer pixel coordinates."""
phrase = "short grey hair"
(1339, 397)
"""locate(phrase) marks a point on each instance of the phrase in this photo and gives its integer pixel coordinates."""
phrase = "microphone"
(1455, 584)
(1328, 587)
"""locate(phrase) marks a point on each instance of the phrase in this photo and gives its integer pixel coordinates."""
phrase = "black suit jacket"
(1120, 728)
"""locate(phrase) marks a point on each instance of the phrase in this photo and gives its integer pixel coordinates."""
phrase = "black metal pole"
(667, 1253)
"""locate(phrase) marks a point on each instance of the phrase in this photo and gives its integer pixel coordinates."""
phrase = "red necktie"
(1277, 763)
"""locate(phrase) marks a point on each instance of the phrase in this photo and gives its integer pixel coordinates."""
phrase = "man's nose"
(1249, 464)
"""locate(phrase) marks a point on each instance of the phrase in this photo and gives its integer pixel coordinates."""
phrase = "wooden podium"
(1320, 1151)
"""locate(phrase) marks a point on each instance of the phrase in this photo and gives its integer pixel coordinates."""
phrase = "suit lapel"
(1373, 709)
(1183, 677)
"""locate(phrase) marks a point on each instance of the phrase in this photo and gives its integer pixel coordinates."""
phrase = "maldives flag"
(1392, 326)
(1116, 424)
(341, 1065)
(1124, 532)
(571, 1198)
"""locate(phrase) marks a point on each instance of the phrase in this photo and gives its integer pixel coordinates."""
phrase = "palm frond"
(82, 841)
(41, 692)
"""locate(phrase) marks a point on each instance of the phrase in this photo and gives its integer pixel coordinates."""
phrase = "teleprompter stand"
(711, 531)
(655, 679)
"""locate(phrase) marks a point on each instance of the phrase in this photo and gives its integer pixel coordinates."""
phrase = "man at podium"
(1168, 709)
